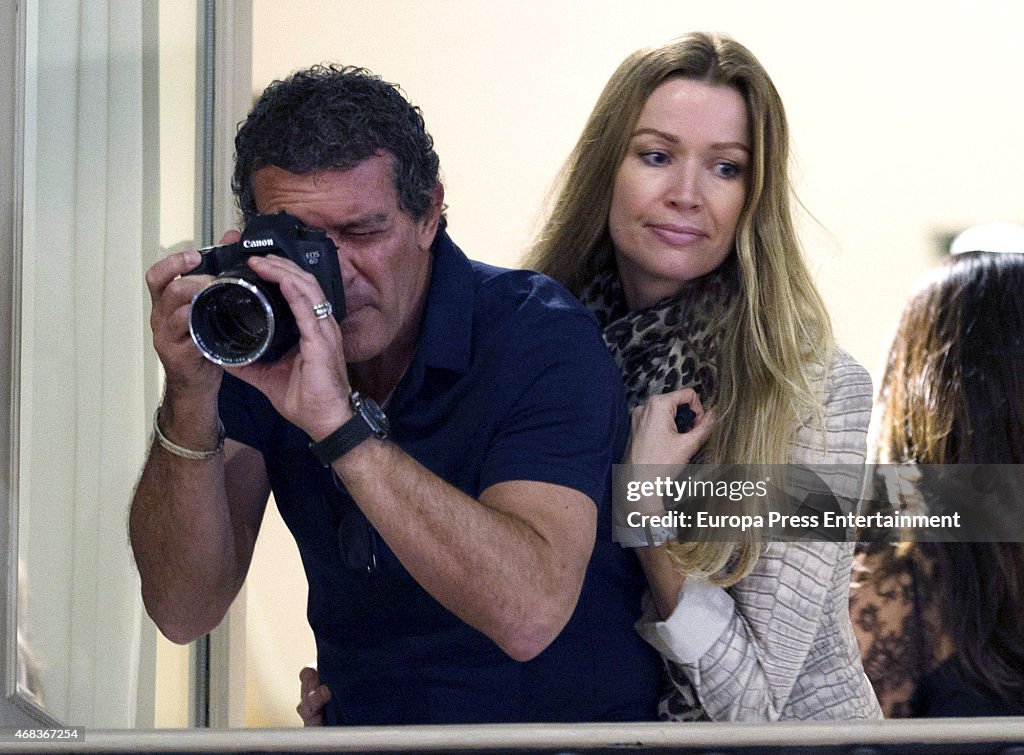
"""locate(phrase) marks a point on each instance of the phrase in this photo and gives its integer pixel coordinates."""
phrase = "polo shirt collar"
(447, 331)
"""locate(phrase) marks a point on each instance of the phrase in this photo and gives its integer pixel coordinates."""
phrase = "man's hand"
(313, 697)
(309, 385)
(171, 292)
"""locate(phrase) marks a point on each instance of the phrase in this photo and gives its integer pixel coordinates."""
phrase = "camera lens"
(232, 321)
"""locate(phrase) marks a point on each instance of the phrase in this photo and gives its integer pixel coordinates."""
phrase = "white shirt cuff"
(638, 537)
(701, 616)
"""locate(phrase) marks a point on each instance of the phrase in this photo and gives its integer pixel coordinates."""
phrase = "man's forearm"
(513, 570)
(181, 529)
(182, 544)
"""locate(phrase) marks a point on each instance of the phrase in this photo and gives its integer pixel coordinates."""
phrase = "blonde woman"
(673, 225)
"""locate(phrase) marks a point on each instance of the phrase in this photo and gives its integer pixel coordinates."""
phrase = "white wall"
(906, 120)
(905, 115)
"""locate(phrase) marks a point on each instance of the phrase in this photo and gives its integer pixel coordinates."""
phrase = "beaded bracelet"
(180, 451)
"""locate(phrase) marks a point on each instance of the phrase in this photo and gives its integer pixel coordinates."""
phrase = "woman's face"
(680, 189)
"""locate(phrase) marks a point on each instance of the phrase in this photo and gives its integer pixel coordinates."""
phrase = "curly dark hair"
(331, 117)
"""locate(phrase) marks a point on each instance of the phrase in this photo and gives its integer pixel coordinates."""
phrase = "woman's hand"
(313, 697)
(654, 438)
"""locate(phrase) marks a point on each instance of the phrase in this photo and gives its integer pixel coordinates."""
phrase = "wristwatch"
(368, 419)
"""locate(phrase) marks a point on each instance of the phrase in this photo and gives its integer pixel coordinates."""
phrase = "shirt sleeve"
(247, 414)
(743, 648)
(568, 423)
(747, 646)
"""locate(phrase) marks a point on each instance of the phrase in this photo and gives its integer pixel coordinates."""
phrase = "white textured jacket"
(779, 645)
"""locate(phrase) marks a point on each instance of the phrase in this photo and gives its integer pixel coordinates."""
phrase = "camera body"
(239, 318)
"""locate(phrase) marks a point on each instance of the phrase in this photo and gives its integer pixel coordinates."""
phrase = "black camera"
(240, 318)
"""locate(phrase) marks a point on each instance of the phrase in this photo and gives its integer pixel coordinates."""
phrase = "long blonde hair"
(776, 337)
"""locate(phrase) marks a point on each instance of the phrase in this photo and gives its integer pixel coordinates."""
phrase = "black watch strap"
(342, 440)
(352, 433)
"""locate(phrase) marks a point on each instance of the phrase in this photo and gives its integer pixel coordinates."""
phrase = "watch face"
(376, 419)
(373, 414)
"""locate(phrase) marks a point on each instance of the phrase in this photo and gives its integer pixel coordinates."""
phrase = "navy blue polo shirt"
(510, 381)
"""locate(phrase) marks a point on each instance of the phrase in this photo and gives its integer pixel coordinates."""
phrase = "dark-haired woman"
(941, 625)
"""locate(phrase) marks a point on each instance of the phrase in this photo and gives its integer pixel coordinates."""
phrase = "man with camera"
(440, 450)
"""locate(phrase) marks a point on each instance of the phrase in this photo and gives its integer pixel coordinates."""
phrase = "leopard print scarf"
(667, 346)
